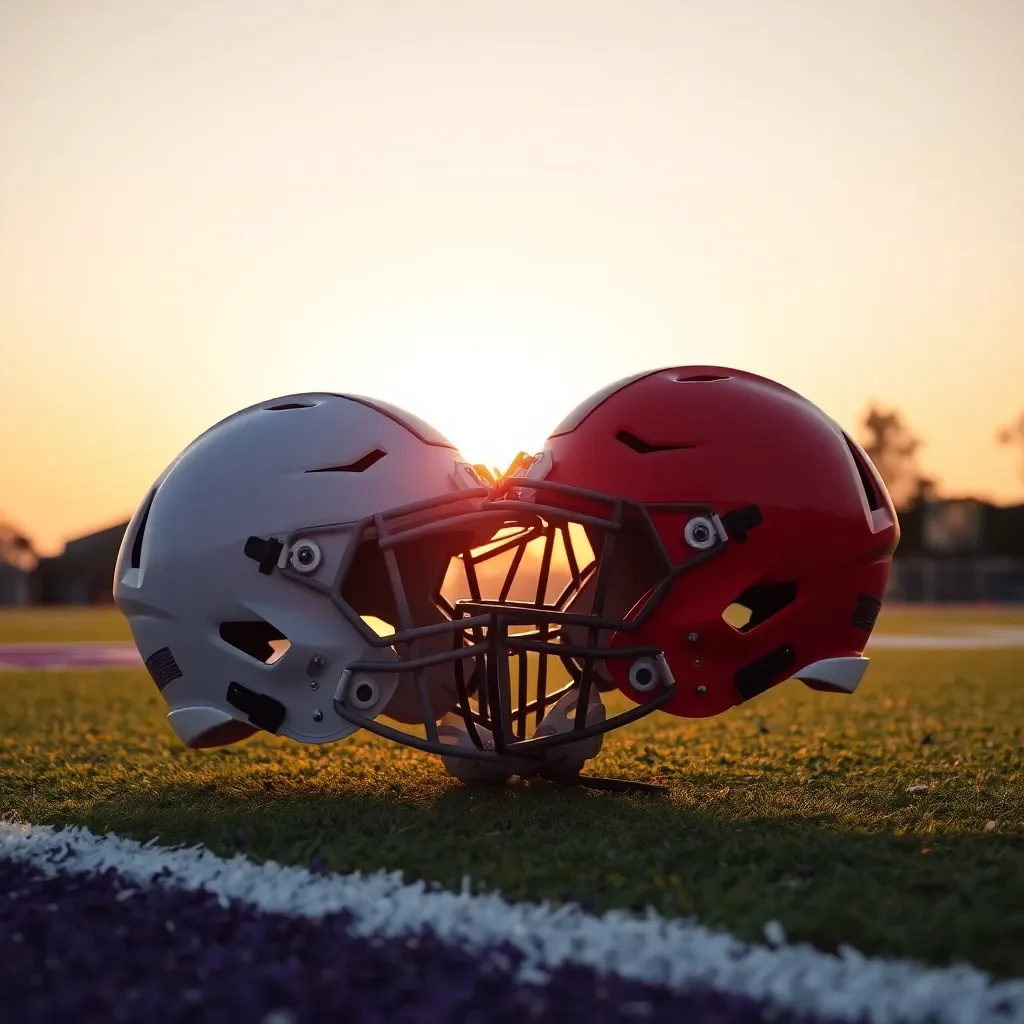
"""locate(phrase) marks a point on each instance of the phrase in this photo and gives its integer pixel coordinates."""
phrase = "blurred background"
(485, 211)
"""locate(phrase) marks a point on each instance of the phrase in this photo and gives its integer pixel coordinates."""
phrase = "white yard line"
(673, 953)
(966, 638)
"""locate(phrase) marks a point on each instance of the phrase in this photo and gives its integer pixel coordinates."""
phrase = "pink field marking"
(40, 657)
(52, 656)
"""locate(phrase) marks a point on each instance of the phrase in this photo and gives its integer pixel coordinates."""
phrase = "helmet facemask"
(595, 561)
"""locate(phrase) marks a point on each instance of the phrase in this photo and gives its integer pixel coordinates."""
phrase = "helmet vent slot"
(359, 466)
(865, 612)
(760, 675)
(136, 556)
(700, 379)
(642, 447)
(289, 405)
(258, 639)
(865, 477)
(162, 667)
(757, 604)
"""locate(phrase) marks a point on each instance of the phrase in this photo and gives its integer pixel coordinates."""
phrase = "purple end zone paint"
(91, 947)
(33, 657)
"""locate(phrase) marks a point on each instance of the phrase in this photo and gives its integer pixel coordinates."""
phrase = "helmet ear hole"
(644, 675)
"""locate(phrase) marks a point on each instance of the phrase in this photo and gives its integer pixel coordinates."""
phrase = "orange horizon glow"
(485, 213)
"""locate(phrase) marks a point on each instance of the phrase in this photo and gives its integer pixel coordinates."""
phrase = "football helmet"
(738, 537)
(277, 562)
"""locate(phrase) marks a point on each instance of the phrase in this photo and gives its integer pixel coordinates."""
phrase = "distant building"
(959, 550)
(83, 573)
(14, 586)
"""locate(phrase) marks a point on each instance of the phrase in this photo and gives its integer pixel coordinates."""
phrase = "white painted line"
(968, 638)
(673, 953)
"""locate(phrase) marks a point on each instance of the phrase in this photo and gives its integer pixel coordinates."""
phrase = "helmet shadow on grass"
(936, 898)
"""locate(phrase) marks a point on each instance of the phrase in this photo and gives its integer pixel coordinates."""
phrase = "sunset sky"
(484, 211)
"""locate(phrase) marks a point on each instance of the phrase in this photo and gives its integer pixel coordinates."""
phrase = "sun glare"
(494, 383)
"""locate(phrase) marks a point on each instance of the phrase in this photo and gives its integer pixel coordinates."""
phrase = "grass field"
(60, 624)
(794, 807)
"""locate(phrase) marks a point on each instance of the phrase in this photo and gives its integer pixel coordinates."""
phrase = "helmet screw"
(316, 664)
(702, 690)
(700, 533)
(305, 555)
(318, 716)
(693, 637)
(314, 685)
(696, 662)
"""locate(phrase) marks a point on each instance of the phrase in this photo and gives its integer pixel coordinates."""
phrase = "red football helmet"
(735, 527)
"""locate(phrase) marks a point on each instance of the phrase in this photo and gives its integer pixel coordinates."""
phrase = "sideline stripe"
(678, 955)
(970, 638)
(99, 654)
(36, 657)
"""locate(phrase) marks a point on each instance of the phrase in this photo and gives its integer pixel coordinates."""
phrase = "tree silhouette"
(1013, 436)
(893, 448)
(16, 549)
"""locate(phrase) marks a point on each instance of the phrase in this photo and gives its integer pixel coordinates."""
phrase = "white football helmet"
(249, 571)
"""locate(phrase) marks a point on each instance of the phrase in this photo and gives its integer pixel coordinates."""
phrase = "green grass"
(954, 619)
(794, 807)
(62, 624)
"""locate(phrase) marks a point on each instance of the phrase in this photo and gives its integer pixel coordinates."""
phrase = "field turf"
(63, 624)
(796, 807)
(106, 624)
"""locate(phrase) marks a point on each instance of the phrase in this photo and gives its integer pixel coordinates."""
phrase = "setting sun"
(494, 382)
